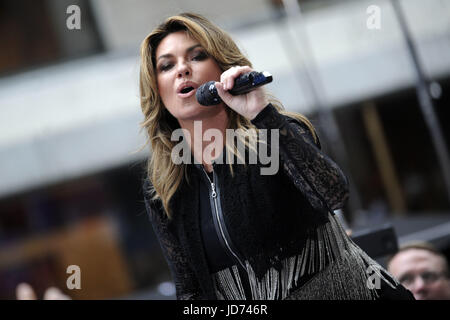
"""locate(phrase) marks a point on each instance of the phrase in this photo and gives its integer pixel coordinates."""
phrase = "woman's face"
(182, 65)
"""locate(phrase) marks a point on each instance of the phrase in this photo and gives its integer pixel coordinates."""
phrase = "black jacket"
(268, 217)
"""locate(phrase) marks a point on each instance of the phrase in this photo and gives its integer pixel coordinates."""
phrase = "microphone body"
(207, 93)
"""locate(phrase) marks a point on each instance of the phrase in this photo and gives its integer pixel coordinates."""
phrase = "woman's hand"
(248, 105)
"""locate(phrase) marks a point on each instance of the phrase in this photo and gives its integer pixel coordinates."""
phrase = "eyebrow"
(168, 55)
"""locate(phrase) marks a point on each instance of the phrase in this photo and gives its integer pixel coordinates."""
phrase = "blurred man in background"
(423, 270)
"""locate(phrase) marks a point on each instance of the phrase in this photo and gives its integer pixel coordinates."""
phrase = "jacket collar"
(221, 159)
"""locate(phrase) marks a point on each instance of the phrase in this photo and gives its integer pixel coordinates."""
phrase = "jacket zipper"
(221, 227)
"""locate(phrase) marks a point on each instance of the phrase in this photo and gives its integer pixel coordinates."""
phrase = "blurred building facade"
(70, 160)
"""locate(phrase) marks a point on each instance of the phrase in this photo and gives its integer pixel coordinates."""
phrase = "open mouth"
(187, 89)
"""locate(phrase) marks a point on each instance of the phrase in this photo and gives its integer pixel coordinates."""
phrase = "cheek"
(164, 90)
(216, 71)
(166, 94)
(211, 70)
(442, 286)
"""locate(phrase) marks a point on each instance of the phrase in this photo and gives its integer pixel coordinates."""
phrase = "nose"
(183, 70)
(419, 287)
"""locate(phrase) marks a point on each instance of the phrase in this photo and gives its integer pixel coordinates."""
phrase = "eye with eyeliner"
(165, 66)
(200, 55)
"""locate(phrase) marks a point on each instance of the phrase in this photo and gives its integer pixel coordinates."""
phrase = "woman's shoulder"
(153, 205)
(146, 183)
(304, 127)
(147, 188)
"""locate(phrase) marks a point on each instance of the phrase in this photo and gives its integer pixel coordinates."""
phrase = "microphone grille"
(207, 94)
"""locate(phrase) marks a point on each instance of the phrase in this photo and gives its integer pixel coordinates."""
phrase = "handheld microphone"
(207, 93)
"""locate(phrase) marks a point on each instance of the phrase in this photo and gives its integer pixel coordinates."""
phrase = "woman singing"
(227, 230)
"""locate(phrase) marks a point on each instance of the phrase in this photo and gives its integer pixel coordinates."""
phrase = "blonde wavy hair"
(164, 175)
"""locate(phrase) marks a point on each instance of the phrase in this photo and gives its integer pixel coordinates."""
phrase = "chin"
(197, 112)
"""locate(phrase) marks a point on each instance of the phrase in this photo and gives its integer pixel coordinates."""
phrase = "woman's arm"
(311, 171)
(186, 284)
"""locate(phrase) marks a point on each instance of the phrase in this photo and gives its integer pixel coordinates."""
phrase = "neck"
(207, 137)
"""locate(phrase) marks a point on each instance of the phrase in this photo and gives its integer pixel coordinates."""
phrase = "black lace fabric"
(183, 276)
(314, 174)
(311, 171)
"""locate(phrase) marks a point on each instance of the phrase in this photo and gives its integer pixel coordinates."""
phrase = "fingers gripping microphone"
(207, 93)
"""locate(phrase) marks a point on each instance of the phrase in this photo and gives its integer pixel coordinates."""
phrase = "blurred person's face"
(422, 272)
(182, 65)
